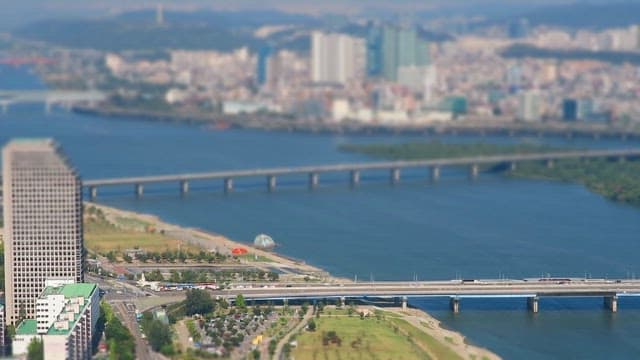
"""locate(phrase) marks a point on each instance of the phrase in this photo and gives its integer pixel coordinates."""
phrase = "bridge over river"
(49, 98)
(355, 170)
(455, 290)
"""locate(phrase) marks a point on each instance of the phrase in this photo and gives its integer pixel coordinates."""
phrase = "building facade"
(336, 58)
(65, 322)
(42, 223)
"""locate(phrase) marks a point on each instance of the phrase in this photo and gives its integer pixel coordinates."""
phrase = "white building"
(529, 106)
(336, 58)
(43, 222)
(65, 322)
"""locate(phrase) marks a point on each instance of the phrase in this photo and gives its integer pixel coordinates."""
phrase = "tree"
(272, 347)
(311, 326)
(198, 302)
(256, 354)
(35, 351)
(158, 334)
(240, 303)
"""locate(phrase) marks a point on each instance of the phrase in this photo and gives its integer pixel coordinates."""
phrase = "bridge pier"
(314, 180)
(550, 164)
(47, 107)
(454, 303)
(139, 190)
(404, 303)
(184, 187)
(569, 135)
(343, 301)
(5, 108)
(435, 173)
(93, 192)
(513, 166)
(611, 303)
(596, 136)
(474, 170)
(271, 183)
(228, 185)
(355, 178)
(395, 176)
(623, 137)
(532, 304)
(622, 159)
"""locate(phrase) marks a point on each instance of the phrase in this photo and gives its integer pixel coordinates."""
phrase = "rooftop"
(70, 290)
(27, 327)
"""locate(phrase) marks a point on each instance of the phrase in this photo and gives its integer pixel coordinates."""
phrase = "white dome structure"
(263, 241)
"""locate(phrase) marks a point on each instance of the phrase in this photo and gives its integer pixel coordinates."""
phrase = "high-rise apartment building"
(336, 58)
(529, 106)
(42, 223)
(401, 47)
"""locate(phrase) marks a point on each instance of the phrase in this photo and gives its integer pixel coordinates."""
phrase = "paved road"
(129, 320)
(278, 353)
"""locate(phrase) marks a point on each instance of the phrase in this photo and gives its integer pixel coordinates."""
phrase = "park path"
(278, 353)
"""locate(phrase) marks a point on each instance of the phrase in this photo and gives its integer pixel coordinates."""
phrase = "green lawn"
(101, 236)
(360, 339)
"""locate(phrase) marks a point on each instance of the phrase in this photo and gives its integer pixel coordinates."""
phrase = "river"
(489, 228)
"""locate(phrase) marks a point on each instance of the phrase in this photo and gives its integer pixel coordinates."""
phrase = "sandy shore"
(219, 243)
(420, 319)
(455, 341)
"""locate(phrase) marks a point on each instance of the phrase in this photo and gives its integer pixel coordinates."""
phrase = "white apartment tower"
(336, 58)
(42, 222)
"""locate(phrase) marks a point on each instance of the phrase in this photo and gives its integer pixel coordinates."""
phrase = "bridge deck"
(451, 289)
(478, 160)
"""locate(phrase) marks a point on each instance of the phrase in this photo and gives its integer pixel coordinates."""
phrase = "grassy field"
(102, 236)
(360, 339)
(439, 350)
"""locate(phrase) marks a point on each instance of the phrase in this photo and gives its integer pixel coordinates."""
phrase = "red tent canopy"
(239, 251)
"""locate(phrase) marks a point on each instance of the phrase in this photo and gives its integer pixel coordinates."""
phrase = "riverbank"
(206, 241)
(415, 323)
(274, 122)
(387, 333)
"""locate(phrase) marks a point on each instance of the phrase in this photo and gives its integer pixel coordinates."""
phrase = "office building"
(529, 106)
(401, 47)
(569, 110)
(42, 223)
(374, 51)
(262, 65)
(65, 321)
(336, 58)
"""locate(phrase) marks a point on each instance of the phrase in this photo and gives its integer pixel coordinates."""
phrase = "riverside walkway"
(455, 290)
(356, 169)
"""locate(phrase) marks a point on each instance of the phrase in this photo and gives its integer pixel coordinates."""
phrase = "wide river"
(493, 227)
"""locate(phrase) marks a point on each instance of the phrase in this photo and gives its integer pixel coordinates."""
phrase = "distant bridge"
(355, 170)
(455, 290)
(49, 98)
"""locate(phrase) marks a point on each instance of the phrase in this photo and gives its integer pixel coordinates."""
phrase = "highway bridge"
(355, 170)
(49, 98)
(456, 290)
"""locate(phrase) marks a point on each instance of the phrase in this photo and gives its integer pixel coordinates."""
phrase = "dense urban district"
(323, 74)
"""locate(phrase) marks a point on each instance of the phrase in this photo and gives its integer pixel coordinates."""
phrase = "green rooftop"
(27, 327)
(70, 290)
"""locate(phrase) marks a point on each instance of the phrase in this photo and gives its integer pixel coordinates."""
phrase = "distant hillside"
(615, 57)
(583, 15)
(138, 31)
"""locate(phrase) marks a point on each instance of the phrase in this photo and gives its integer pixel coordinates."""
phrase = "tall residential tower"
(42, 223)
